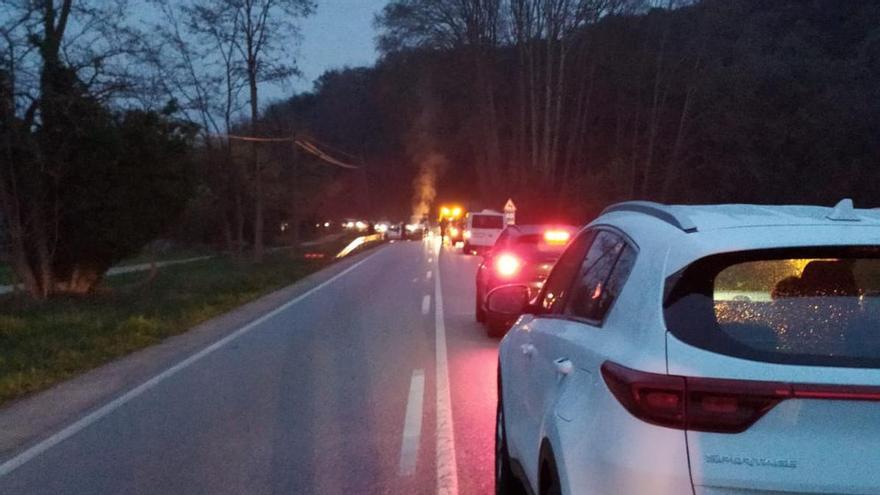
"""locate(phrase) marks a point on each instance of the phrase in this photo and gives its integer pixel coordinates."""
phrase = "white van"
(482, 229)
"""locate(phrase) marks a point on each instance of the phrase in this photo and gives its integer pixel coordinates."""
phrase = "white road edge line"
(412, 425)
(426, 304)
(91, 418)
(447, 469)
(428, 275)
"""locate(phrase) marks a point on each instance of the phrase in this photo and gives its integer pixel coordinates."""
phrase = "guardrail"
(358, 242)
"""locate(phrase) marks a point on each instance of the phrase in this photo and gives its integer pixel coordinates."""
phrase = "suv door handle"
(564, 366)
(527, 349)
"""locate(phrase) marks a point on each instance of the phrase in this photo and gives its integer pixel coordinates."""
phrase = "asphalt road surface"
(361, 385)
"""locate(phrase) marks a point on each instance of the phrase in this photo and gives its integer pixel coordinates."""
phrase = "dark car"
(455, 231)
(523, 254)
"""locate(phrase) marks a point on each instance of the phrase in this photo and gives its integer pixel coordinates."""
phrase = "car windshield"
(822, 310)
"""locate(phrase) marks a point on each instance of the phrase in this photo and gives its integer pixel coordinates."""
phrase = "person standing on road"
(443, 224)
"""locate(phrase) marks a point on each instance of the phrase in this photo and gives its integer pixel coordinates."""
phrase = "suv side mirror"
(508, 300)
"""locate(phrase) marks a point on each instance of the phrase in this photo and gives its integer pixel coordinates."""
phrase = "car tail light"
(507, 265)
(730, 406)
(556, 236)
(712, 404)
(657, 399)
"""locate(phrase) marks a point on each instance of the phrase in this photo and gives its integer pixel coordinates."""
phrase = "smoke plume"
(425, 183)
(423, 153)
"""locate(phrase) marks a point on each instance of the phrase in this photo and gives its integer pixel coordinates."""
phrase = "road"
(360, 385)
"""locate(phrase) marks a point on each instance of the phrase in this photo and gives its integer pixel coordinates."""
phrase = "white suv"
(706, 350)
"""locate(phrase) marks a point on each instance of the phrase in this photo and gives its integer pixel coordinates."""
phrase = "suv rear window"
(487, 222)
(814, 307)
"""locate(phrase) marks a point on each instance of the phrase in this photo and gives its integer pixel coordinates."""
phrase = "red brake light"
(507, 265)
(556, 236)
(730, 406)
(712, 404)
(656, 399)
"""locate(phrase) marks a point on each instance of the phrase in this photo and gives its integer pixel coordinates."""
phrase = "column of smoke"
(430, 162)
(425, 183)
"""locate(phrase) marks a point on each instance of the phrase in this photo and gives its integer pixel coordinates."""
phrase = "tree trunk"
(255, 164)
(553, 153)
(42, 253)
(239, 221)
(489, 124)
(533, 111)
(673, 169)
(657, 102)
(575, 147)
(547, 109)
(18, 252)
(521, 130)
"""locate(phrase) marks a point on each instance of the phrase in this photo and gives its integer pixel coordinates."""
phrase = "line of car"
(707, 350)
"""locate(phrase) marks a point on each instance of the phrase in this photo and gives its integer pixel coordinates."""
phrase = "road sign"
(509, 212)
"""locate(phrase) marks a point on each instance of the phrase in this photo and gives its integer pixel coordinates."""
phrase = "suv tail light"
(556, 236)
(712, 404)
(507, 265)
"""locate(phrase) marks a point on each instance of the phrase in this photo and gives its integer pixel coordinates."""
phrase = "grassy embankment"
(44, 343)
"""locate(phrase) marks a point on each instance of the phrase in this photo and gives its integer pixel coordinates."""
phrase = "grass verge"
(7, 277)
(44, 343)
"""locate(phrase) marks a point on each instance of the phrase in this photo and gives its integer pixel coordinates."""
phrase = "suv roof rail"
(659, 211)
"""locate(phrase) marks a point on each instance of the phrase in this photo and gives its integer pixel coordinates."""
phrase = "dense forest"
(117, 128)
(570, 105)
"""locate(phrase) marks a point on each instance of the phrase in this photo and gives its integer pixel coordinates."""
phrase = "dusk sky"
(340, 33)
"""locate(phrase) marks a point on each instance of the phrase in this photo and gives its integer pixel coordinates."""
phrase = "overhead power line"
(311, 148)
(303, 144)
(331, 148)
(255, 138)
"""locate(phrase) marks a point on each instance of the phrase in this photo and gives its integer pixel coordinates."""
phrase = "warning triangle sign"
(509, 206)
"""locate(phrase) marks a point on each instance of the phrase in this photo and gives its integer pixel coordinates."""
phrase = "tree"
(471, 27)
(600, 101)
(249, 44)
(66, 155)
(198, 64)
(262, 31)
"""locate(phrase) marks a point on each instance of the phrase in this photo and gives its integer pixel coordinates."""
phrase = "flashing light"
(451, 212)
(507, 265)
(556, 237)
